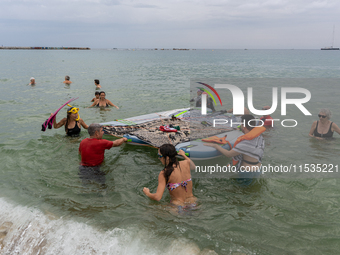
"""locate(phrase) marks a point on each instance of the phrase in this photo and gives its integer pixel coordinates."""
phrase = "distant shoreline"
(43, 48)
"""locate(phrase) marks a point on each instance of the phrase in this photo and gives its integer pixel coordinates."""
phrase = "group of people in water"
(73, 122)
(68, 82)
(247, 151)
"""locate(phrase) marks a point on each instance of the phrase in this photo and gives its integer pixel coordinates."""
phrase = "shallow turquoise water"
(49, 210)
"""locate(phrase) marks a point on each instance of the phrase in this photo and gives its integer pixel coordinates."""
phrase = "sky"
(199, 24)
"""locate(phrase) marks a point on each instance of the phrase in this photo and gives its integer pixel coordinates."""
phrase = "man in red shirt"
(92, 153)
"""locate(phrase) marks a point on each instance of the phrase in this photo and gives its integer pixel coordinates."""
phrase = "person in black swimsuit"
(323, 128)
(72, 122)
(102, 101)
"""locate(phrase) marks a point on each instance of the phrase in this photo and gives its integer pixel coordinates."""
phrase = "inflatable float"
(185, 128)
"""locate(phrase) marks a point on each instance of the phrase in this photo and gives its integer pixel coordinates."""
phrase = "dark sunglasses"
(323, 116)
(159, 155)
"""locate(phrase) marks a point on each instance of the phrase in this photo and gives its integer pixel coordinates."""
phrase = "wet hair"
(67, 77)
(169, 151)
(327, 112)
(102, 92)
(249, 121)
(96, 81)
(97, 93)
(93, 128)
(68, 118)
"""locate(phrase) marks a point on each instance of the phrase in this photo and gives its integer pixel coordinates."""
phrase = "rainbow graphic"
(208, 92)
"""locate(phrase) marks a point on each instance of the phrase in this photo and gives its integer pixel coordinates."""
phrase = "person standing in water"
(67, 80)
(32, 81)
(323, 128)
(96, 96)
(97, 83)
(72, 122)
(175, 176)
(102, 101)
(92, 152)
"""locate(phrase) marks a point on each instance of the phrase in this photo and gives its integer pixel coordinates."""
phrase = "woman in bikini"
(72, 122)
(323, 128)
(175, 176)
(102, 101)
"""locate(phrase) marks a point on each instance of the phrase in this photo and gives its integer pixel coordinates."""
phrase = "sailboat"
(331, 48)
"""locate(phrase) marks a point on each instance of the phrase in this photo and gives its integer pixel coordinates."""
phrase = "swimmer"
(32, 81)
(96, 94)
(67, 80)
(102, 101)
(72, 122)
(323, 128)
(198, 100)
(175, 176)
(96, 82)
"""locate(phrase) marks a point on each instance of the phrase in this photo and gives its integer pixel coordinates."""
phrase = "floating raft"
(193, 127)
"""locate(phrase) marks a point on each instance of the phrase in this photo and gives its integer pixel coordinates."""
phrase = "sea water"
(45, 209)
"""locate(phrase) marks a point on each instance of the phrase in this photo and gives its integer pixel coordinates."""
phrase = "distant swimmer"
(32, 81)
(324, 128)
(267, 119)
(102, 101)
(67, 80)
(175, 176)
(96, 94)
(198, 100)
(72, 122)
(97, 83)
(92, 152)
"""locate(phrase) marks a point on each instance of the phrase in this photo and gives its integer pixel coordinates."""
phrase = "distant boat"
(331, 48)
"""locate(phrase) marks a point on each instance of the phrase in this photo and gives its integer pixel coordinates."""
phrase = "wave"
(25, 230)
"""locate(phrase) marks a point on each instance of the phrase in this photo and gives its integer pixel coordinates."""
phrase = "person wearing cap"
(67, 80)
(268, 121)
(32, 81)
(72, 122)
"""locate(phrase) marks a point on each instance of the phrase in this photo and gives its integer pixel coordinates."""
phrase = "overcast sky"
(210, 24)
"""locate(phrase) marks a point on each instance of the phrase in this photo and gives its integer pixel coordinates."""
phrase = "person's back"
(180, 184)
(175, 176)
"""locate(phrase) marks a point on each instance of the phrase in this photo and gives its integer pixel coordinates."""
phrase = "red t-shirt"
(92, 151)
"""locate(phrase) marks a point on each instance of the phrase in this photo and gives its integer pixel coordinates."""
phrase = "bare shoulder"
(185, 163)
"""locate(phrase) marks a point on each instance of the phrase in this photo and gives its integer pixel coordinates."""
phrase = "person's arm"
(192, 164)
(96, 101)
(160, 188)
(93, 99)
(60, 123)
(336, 128)
(311, 132)
(110, 103)
(119, 142)
(81, 121)
(229, 154)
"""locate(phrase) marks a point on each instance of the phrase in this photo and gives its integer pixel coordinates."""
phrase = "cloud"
(214, 23)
